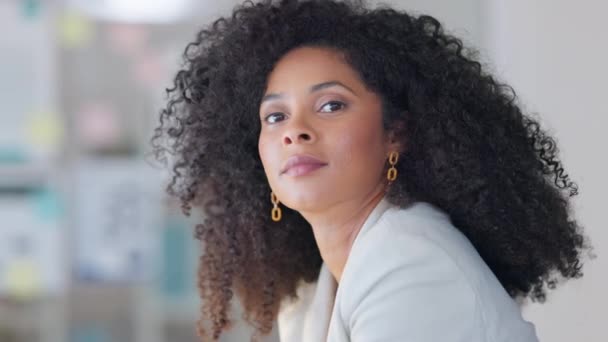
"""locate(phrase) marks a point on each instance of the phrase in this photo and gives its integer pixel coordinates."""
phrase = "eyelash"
(342, 104)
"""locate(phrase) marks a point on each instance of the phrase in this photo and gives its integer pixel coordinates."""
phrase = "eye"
(274, 117)
(332, 106)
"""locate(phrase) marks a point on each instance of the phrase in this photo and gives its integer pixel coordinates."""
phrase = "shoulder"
(407, 247)
(415, 266)
(420, 238)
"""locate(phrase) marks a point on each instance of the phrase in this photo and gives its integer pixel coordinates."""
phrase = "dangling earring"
(392, 172)
(276, 211)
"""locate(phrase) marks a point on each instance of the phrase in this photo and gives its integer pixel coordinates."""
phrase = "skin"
(316, 104)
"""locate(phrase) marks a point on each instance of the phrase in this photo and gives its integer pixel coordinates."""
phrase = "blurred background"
(92, 250)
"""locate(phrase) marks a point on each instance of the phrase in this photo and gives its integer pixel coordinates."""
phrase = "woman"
(363, 179)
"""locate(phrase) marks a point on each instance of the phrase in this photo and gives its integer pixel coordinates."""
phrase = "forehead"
(304, 66)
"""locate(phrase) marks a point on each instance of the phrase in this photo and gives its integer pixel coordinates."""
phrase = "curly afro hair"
(471, 152)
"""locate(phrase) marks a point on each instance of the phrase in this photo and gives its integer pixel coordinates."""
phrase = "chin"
(306, 202)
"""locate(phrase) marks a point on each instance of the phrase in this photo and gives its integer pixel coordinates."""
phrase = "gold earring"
(392, 172)
(276, 211)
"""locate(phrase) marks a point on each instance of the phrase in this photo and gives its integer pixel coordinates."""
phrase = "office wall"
(554, 54)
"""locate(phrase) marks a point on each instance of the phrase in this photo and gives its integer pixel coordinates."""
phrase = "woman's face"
(321, 140)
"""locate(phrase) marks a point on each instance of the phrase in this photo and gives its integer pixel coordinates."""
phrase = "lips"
(298, 165)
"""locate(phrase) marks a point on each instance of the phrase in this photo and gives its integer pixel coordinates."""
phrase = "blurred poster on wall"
(31, 126)
(118, 216)
(32, 245)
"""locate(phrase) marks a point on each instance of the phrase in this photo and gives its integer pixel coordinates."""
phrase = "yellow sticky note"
(75, 29)
(23, 279)
(44, 129)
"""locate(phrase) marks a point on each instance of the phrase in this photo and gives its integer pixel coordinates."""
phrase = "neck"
(336, 227)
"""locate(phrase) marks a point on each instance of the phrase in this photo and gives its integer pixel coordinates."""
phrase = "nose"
(298, 132)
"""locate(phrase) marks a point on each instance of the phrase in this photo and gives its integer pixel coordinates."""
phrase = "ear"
(396, 137)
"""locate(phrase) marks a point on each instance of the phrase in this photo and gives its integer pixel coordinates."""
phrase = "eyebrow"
(316, 87)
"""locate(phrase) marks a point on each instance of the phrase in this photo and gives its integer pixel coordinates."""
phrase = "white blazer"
(410, 276)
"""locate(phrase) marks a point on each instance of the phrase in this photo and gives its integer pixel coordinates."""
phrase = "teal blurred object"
(47, 204)
(31, 8)
(176, 251)
(90, 333)
(12, 156)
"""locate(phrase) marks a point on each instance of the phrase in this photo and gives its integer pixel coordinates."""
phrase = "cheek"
(346, 148)
(265, 150)
(361, 147)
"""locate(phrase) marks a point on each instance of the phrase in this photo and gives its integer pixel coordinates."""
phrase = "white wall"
(554, 54)
(461, 17)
